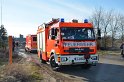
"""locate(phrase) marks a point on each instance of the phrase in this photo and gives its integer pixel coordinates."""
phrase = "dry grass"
(105, 52)
(26, 72)
(19, 71)
(3, 57)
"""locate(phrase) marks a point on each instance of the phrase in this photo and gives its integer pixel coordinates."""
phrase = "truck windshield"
(73, 33)
(34, 38)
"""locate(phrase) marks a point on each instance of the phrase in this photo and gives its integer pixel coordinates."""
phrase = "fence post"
(10, 49)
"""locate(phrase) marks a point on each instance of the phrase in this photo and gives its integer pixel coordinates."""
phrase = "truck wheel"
(41, 60)
(25, 50)
(30, 51)
(86, 66)
(53, 64)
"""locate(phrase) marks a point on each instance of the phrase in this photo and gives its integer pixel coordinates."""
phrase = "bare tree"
(96, 19)
(114, 24)
(121, 26)
(101, 20)
(106, 26)
(111, 24)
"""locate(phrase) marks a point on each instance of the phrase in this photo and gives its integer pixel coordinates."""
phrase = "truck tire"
(25, 50)
(53, 64)
(30, 51)
(86, 66)
(41, 60)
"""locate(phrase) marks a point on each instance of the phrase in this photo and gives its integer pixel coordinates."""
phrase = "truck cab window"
(34, 38)
(56, 33)
(52, 34)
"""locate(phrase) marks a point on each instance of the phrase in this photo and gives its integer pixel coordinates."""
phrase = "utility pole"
(1, 12)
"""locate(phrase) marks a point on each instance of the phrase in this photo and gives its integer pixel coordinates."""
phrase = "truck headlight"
(94, 57)
(63, 59)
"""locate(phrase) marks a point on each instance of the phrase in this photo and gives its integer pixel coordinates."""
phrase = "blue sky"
(24, 16)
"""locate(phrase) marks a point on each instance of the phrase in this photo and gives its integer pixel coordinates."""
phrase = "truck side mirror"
(99, 34)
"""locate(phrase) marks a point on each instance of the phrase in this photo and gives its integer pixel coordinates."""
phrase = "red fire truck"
(67, 43)
(31, 43)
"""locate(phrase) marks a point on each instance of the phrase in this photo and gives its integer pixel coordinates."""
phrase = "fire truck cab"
(67, 43)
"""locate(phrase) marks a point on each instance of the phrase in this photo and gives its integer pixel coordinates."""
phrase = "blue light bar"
(62, 20)
(85, 20)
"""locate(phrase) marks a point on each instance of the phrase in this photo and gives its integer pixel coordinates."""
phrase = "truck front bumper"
(76, 59)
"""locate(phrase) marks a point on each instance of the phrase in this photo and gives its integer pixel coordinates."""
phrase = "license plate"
(79, 58)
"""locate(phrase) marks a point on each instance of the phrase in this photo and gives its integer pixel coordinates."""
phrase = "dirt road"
(109, 69)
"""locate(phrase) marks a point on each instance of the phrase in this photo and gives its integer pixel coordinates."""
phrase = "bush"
(3, 37)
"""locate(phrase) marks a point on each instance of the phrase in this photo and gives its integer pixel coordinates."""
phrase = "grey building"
(21, 39)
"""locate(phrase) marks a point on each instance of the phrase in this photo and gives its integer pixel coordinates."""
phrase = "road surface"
(109, 69)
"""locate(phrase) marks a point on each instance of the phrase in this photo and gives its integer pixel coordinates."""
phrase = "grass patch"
(3, 58)
(105, 52)
(24, 72)
(2, 63)
(19, 71)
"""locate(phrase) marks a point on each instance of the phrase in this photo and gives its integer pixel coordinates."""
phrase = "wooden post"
(10, 49)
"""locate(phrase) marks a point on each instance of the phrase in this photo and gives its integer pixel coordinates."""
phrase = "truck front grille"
(79, 50)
